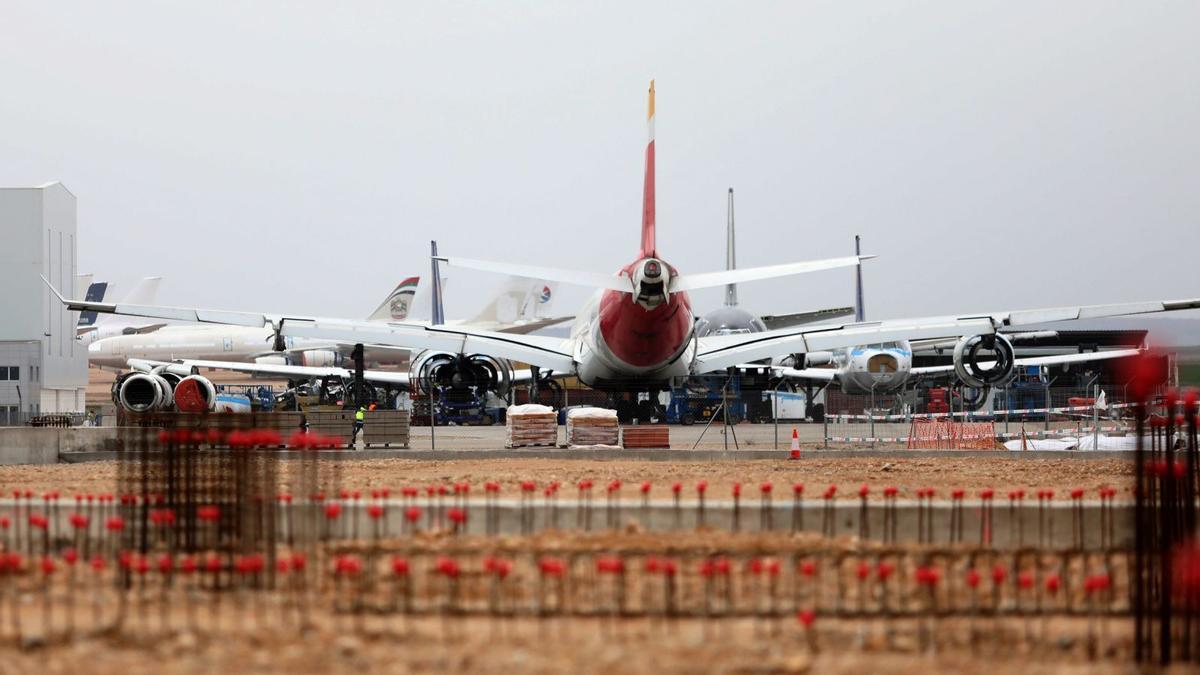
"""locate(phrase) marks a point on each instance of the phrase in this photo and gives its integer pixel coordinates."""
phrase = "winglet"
(54, 290)
(860, 312)
(438, 316)
(648, 244)
(730, 255)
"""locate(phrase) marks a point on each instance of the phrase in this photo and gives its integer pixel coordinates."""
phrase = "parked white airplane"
(638, 330)
(886, 367)
(144, 292)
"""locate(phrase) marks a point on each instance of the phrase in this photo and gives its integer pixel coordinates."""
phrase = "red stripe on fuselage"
(640, 337)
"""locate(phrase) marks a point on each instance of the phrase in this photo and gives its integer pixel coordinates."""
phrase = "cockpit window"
(731, 331)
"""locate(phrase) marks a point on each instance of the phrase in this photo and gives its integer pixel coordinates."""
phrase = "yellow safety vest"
(358, 416)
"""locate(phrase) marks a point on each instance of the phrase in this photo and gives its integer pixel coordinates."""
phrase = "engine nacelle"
(143, 392)
(278, 360)
(818, 359)
(985, 360)
(321, 358)
(459, 371)
(195, 394)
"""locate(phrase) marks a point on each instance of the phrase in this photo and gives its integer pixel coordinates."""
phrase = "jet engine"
(195, 393)
(459, 371)
(984, 360)
(321, 358)
(143, 392)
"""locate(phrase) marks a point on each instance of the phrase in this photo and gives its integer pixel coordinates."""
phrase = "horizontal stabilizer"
(691, 282)
(577, 277)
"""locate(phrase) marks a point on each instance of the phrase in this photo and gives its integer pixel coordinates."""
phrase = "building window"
(3, 373)
(14, 373)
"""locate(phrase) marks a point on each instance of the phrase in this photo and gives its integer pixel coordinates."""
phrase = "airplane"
(517, 306)
(638, 331)
(158, 363)
(108, 326)
(886, 367)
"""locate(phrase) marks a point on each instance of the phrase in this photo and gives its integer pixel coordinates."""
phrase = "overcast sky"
(299, 156)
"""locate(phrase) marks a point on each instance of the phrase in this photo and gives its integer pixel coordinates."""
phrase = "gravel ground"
(943, 474)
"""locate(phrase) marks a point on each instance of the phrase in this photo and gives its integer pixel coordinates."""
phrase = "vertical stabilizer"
(439, 316)
(515, 301)
(143, 292)
(860, 312)
(730, 256)
(82, 283)
(92, 292)
(648, 244)
(398, 305)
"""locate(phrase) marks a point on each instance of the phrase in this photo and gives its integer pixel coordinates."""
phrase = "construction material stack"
(386, 428)
(593, 427)
(337, 424)
(531, 424)
(646, 436)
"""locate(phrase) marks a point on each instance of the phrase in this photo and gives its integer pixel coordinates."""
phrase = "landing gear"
(632, 406)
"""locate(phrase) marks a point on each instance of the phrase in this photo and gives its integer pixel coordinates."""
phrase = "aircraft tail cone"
(795, 451)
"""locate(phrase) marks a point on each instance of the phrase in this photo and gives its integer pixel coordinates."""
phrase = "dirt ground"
(479, 645)
(908, 475)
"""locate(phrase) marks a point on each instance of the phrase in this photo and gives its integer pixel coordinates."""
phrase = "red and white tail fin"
(648, 246)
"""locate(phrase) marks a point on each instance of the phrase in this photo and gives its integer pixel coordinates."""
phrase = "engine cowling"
(459, 371)
(818, 359)
(321, 358)
(195, 393)
(143, 392)
(985, 360)
(274, 360)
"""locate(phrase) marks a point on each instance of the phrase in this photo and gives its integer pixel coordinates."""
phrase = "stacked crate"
(386, 428)
(531, 424)
(337, 424)
(591, 427)
(646, 436)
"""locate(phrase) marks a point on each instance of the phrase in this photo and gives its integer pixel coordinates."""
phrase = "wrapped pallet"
(593, 428)
(531, 424)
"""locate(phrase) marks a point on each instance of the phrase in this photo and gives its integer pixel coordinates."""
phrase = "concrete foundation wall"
(28, 445)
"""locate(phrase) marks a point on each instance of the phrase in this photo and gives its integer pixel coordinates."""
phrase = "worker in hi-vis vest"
(359, 416)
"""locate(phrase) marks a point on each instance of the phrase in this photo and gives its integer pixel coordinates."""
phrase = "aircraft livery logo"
(401, 300)
(545, 297)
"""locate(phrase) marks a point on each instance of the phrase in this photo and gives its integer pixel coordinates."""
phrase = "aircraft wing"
(545, 352)
(777, 321)
(531, 326)
(1056, 360)
(717, 352)
(282, 370)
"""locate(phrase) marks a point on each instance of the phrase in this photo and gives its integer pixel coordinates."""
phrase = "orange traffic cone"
(795, 453)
